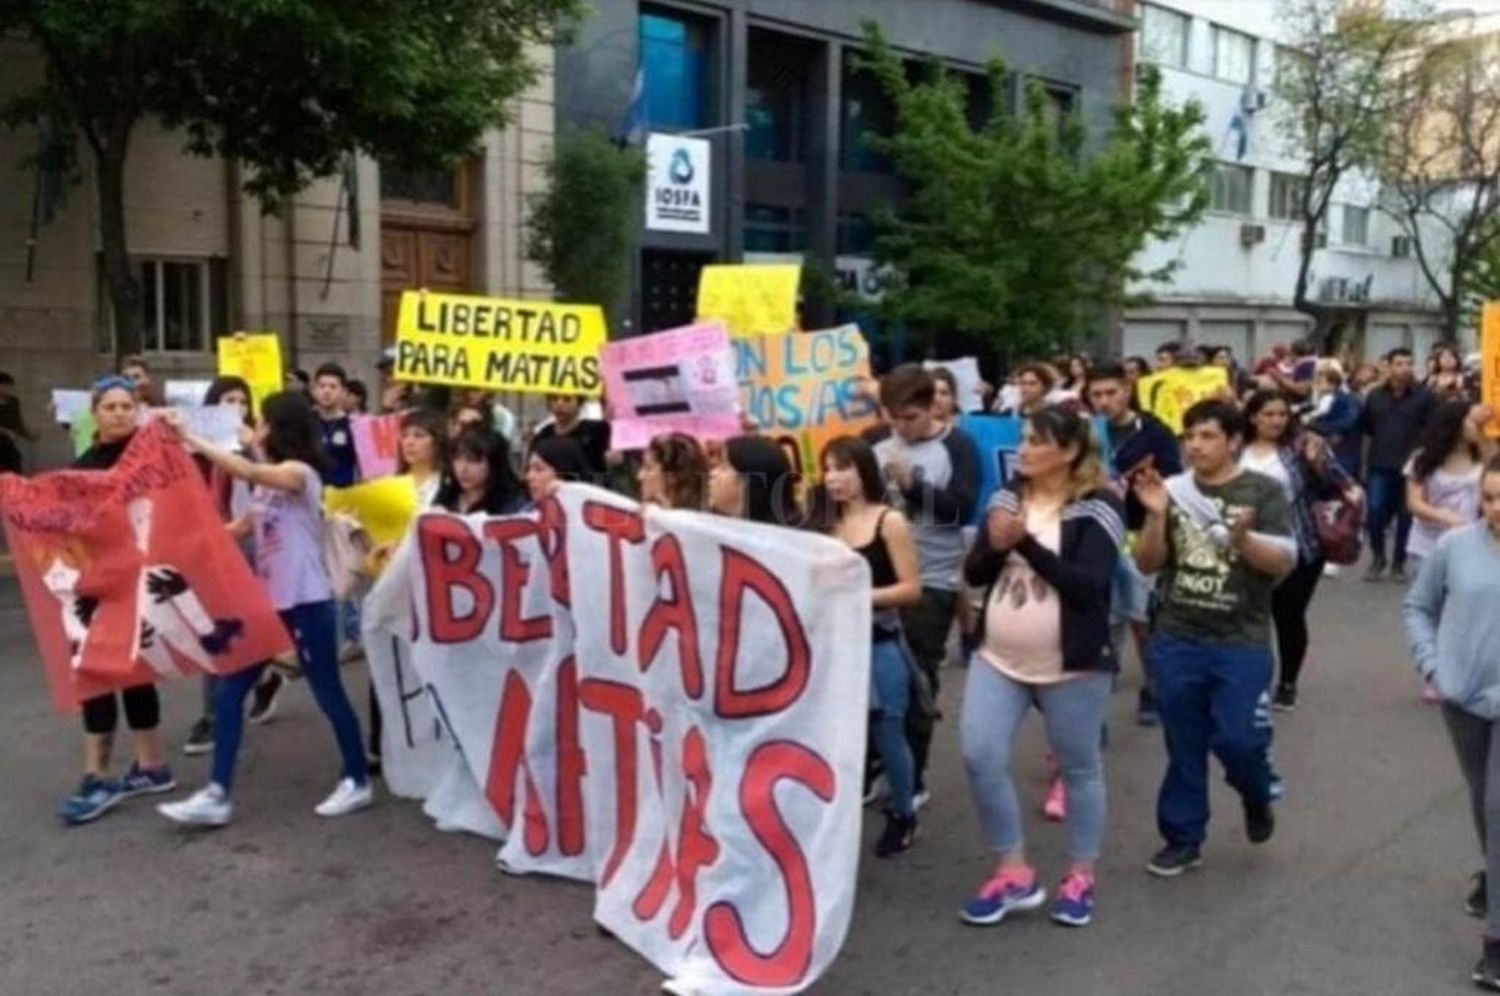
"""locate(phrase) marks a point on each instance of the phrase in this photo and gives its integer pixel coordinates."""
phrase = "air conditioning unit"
(1401, 247)
(1253, 99)
(1252, 235)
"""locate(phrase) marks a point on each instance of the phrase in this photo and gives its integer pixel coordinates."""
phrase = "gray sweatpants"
(1478, 749)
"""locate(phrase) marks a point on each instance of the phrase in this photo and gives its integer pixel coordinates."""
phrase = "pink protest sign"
(377, 438)
(681, 380)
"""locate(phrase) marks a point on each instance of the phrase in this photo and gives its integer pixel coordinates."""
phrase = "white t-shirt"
(1271, 466)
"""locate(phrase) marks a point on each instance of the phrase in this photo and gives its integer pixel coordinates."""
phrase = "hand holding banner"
(681, 380)
(750, 299)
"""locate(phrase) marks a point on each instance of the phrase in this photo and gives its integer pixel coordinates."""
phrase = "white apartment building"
(1239, 264)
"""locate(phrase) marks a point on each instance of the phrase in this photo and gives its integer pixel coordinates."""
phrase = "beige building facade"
(325, 274)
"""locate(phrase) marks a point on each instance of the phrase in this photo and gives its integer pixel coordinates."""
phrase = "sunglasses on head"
(111, 382)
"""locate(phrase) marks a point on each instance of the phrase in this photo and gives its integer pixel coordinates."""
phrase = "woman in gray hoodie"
(1455, 637)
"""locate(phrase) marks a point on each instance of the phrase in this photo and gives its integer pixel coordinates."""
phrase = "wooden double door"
(414, 255)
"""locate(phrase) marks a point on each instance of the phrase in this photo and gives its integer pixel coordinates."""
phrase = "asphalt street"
(1360, 891)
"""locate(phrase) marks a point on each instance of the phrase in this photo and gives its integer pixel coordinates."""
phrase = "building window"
(856, 236)
(420, 186)
(1164, 36)
(1287, 190)
(184, 304)
(1356, 225)
(1058, 107)
(775, 98)
(674, 58)
(1234, 55)
(867, 111)
(1231, 188)
(773, 228)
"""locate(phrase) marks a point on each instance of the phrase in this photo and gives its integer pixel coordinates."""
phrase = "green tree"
(287, 87)
(581, 227)
(1011, 232)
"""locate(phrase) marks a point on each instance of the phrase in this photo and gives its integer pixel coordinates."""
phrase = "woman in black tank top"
(849, 505)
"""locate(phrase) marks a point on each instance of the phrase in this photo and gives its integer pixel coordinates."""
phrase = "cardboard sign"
(806, 389)
(499, 344)
(129, 576)
(377, 444)
(257, 359)
(1489, 365)
(677, 184)
(1168, 394)
(69, 406)
(750, 300)
(384, 507)
(691, 742)
(682, 380)
(965, 370)
(999, 439)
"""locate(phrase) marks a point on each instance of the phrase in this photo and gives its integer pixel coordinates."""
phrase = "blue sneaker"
(1011, 890)
(146, 781)
(95, 797)
(1074, 905)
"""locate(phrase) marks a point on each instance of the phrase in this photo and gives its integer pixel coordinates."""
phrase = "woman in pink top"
(1045, 559)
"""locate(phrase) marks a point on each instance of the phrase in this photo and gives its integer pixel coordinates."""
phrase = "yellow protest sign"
(384, 507)
(499, 344)
(750, 300)
(256, 358)
(1169, 393)
(1489, 365)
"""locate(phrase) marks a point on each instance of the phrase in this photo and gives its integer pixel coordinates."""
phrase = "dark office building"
(774, 88)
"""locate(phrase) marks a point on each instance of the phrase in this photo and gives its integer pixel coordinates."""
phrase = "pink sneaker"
(1009, 891)
(1055, 806)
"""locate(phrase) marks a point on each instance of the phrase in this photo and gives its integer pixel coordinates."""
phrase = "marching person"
(1223, 538)
(553, 459)
(850, 506)
(1393, 415)
(114, 411)
(674, 472)
(1454, 629)
(480, 478)
(1046, 559)
(286, 517)
(754, 480)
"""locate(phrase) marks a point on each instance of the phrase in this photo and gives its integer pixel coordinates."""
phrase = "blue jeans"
(314, 627)
(1217, 699)
(1387, 497)
(1073, 711)
(890, 693)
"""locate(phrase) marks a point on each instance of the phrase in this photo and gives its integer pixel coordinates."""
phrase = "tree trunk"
(124, 288)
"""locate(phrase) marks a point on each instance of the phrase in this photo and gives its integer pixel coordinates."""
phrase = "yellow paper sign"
(384, 507)
(1171, 392)
(750, 300)
(256, 358)
(1489, 366)
(499, 344)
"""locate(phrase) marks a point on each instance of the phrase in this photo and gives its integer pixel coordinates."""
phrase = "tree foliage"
(287, 87)
(1011, 232)
(580, 228)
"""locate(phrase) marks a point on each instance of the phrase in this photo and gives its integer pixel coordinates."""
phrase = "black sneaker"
(1285, 699)
(1260, 822)
(1146, 712)
(1478, 902)
(200, 739)
(1487, 970)
(1174, 859)
(899, 835)
(263, 702)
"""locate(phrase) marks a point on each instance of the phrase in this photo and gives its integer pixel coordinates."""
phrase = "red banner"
(130, 577)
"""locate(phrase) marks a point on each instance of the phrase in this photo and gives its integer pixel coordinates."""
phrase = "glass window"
(1164, 36)
(867, 110)
(1234, 55)
(773, 228)
(1356, 226)
(424, 186)
(1231, 188)
(1058, 108)
(1286, 195)
(184, 305)
(775, 95)
(674, 57)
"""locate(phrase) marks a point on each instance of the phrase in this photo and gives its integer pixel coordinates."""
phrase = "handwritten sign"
(681, 380)
(1168, 394)
(807, 388)
(256, 358)
(499, 344)
(750, 300)
(377, 442)
(68, 406)
(1489, 373)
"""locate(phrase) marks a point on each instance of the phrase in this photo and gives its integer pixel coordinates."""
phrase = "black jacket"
(1082, 572)
(1393, 422)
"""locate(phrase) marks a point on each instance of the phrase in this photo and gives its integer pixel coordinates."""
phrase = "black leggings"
(142, 710)
(1289, 604)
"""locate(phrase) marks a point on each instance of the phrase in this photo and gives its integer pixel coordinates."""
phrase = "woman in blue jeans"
(850, 506)
(286, 518)
(1046, 560)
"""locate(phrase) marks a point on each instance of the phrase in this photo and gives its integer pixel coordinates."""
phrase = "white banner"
(693, 742)
(677, 187)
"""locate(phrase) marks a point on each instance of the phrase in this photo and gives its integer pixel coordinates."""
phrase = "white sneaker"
(207, 807)
(920, 800)
(346, 798)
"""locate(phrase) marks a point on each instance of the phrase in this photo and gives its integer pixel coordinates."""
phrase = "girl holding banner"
(480, 478)
(755, 481)
(850, 505)
(114, 416)
(286, 517)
